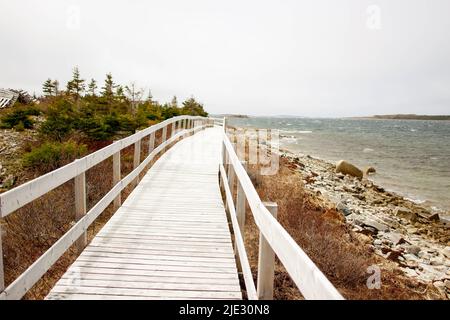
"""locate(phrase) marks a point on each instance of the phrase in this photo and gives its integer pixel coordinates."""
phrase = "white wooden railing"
(274, 239)
(16, 198)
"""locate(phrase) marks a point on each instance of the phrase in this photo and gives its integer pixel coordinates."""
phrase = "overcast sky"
(297, 57)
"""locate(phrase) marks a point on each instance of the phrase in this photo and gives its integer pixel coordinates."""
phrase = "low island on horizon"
(406, 117)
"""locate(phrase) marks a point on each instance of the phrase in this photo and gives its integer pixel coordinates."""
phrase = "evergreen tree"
(174, 102)
(120, 93)
(55, 87)
(47, 87)
(92, 87)
(150, 96)
(108, 88)
(76, 86)
(192, 107)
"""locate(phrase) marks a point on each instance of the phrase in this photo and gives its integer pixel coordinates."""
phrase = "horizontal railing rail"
(18, 197)
(274, 239)
(239, 240)
(24, 194)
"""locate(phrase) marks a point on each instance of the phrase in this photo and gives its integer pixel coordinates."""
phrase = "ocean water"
(412, 158)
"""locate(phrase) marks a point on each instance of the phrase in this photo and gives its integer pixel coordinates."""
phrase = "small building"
(7, 98)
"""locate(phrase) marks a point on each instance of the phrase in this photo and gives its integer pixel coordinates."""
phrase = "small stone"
(412, 230)
(410, 272)
(446, 251)
(394, 255)
(377, 242)
(447, 284)
(395, 238)
(440, 286)
(413, 249)
(437, 261)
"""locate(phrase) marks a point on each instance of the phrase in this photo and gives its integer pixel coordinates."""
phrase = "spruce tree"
(92, 86)
(120, 93)
(174, 102)
(150, 96)
(55, 87)
(192, 107)
(108, 88)
(47, 87)
(76, 86)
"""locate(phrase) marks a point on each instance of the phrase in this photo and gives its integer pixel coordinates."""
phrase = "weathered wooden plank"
(156, 262)
(194, 244)
(154, 267)
(137, 256)
(130, 284)
(169, 294)
(173, 250)
(152, 279)
(165, 238)
(156, 273)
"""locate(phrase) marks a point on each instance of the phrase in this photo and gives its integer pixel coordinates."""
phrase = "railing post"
(151, 142)
(224, 124)
(240, 214)
(2, 270)
(231, 173)
(266, 261)
(117, 176)
(164, 136)
(174, 128)
(80, 207)
(136, 160)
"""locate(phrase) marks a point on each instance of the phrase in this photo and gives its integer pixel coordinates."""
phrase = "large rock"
(405, 213)
(349, 169)
(372, 224)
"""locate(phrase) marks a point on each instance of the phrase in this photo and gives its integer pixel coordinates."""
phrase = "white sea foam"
(367, 150)
(417, 201)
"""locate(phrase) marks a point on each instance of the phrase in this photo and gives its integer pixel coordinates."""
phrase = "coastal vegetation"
(50, 131)
(87, 116)
(343, 251)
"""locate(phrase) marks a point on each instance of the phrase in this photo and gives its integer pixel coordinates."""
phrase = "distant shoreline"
(405, 117)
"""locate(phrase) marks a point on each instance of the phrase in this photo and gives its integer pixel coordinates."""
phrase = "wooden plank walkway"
(169, 240)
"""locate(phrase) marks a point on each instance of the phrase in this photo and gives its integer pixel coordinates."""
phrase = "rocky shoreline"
(398, 229)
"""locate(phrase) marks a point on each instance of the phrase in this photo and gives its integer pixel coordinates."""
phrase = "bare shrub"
(339, 253)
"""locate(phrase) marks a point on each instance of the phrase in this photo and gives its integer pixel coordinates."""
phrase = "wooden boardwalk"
(169, 240)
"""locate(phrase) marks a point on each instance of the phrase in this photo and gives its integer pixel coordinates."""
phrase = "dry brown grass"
(341, 254)
(34, 228)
